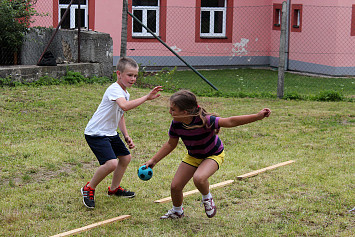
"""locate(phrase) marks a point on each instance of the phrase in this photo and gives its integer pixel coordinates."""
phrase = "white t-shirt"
(105, 120)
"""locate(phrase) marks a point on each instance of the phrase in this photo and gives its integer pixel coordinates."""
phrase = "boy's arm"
(168, 147)
(123, 129)
(243, 119)
(128, 105)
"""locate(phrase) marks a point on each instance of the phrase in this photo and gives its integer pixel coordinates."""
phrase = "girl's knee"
(199, 179)
(175, 187)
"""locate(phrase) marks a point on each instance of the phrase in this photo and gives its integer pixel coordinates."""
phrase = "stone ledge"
(30, 73)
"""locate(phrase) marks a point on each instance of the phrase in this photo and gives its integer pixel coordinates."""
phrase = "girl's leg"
(102, 172)
(205, 170)
(123, 162)
(182, 176)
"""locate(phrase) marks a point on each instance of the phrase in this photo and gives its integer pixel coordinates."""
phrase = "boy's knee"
(125, 160)
(111, 165)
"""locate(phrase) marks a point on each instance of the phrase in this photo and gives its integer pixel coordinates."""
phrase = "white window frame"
(298, 17)
(212, 10)
(145, 9)
(72, 9)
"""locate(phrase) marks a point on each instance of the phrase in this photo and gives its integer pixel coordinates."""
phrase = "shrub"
(14, 22)
(329, 95)
(292, 96)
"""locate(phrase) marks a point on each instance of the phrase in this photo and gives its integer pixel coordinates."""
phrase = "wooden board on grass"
(88, 227)
(168, 199)
(256, 172)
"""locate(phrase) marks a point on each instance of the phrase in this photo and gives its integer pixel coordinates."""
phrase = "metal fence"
(322, 43)
(319, 41)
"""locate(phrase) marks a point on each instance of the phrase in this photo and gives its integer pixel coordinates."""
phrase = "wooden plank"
(196, 191)
(256, 172)
(88, 227)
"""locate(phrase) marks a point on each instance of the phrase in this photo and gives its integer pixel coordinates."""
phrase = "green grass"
(260, 83)
(44, 161)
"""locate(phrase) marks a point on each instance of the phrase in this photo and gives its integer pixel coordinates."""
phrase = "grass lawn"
(261, 83)
(44, 161)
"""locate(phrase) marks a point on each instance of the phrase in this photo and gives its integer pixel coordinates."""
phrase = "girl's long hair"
(186, 101)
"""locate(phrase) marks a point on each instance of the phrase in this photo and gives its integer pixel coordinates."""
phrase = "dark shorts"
(106, 148)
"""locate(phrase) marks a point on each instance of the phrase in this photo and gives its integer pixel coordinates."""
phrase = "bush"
(329, 95)
(292, 96)
(15, 18)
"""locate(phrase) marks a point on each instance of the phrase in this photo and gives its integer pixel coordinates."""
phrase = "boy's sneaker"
(172, 215)
(121, 192)
(210, 207)
(88, 196)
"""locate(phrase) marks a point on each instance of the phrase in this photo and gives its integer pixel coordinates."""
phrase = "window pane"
(205, 22)
(136, 26)
(82, 2)
(218, 22)
(212, 3)
(151, 21)
(82, 17)
(66, 21)
(145, 3)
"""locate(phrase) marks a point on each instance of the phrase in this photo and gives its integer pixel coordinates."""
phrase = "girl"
(198, 130)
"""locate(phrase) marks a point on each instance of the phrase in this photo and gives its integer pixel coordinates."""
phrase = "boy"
(102, 137)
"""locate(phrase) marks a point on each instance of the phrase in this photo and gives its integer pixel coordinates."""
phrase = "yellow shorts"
(195, 162)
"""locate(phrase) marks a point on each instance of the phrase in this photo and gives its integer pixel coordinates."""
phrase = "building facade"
(213, 33)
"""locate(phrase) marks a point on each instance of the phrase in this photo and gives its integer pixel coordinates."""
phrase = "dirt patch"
(42, 175)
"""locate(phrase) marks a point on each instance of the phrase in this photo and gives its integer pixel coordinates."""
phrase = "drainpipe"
(287, 46)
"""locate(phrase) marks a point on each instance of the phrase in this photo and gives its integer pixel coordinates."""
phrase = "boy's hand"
(154, 93)
(129, 142)
(264, 113)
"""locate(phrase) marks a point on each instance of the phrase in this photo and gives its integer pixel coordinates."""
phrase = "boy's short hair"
(123, 62)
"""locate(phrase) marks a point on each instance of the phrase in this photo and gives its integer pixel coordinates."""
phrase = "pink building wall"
(325, 30)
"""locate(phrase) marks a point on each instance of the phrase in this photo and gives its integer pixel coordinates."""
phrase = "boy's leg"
(102, 172)
(123, 162)
(115, 188)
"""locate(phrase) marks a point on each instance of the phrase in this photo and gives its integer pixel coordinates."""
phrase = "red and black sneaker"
(121, 192)
(88, 196)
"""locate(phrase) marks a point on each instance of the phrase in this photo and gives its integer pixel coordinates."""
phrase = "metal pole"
(79, 26)
(287, 46)
(281, 72)
(56, 30)
(124, 29)
(155, 36)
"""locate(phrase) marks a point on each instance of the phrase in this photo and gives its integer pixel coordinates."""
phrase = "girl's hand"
(264, 113)
(150, 163)
(129, 142)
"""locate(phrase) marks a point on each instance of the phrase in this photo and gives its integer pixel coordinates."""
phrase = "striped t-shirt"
(200, 142)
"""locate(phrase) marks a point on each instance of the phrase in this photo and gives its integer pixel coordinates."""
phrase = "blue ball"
(145, 173)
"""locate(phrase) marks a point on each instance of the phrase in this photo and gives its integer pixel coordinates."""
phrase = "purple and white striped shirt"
(200, 142)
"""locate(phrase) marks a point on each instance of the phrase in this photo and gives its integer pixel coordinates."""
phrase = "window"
(277, 15)
(213, 18)
(148, 13)
(71, 20)
(214, 21)
(352, 32)
(152, 13)
(296, 18)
